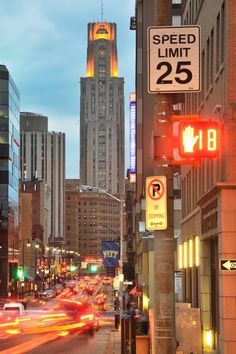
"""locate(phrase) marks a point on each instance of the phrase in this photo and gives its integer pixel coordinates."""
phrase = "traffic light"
(20, 272)
(199, 139)
(93, 268)
(133, 24)
(73, 268)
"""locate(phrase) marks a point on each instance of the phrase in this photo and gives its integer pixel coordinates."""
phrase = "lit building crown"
(101, 31)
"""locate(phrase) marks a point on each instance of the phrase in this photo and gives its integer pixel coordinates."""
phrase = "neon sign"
(132, 122)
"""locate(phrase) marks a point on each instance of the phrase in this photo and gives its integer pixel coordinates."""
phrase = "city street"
(44, 328)
(118, 177)
(52, 343)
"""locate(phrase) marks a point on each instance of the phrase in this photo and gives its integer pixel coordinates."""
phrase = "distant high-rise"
(102, 112)
(43, 158)
(9, 181)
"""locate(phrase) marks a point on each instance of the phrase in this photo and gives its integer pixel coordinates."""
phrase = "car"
(14, 307)
(46, 294)
(82, 313)
(58, 288)
(99, 304)
(89, 289)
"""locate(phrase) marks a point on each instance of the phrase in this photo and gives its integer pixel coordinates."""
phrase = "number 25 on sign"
(199, 139)
(173, 59)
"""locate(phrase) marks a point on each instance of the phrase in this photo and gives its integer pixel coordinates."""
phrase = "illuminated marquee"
(199, 139)
(132, 120)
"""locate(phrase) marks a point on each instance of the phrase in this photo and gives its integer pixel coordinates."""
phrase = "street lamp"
(121, 275)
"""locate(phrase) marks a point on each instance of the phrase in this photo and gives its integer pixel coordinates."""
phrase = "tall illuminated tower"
(102, 112)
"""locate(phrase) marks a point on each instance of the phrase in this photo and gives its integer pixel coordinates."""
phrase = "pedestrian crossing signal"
(199, 139)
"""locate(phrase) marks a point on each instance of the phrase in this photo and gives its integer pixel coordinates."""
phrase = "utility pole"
(164, 306)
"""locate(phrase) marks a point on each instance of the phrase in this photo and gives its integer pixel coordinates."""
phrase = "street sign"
(178, 281)
(228, 264)
(156, 203)
(173, 59)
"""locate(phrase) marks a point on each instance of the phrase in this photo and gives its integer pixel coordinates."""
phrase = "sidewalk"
(114, 343)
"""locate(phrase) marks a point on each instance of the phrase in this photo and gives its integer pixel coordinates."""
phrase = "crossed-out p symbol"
(156, 188)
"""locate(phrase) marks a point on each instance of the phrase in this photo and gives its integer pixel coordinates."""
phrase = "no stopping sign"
(156, 203)
(156, 189)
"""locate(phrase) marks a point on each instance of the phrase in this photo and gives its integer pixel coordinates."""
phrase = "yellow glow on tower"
(102, 31)
(90, 68)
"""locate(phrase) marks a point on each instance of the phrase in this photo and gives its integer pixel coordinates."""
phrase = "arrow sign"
(228, 264)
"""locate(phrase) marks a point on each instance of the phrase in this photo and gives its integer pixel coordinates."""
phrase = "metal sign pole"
(164, 306)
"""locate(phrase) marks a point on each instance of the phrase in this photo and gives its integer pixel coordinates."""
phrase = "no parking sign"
(156, 203)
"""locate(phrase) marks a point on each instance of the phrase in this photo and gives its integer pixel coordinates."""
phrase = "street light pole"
(121, 275)
(164, 304)
(121, 261)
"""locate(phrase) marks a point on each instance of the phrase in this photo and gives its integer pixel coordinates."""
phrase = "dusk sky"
(43, 43)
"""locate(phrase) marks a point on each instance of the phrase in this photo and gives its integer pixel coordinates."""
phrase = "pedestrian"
(128, 305)
(117, 320)
(117, 315)
(116, 304)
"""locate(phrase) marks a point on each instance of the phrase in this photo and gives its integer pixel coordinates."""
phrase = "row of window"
(212, 59)
(198, 181)
(110, 205)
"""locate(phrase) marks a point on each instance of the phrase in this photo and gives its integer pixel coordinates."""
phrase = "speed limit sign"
(173, 59)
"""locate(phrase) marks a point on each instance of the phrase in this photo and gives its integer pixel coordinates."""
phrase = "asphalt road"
(59, 342)
(51, 343)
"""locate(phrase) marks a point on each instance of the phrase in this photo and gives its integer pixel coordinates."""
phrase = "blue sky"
(43, 44)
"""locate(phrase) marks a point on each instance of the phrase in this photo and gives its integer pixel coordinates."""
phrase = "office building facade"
(72, 214)
(102, 113)
(43, 158)
(9, 179)
(208, 191)
(98, 220)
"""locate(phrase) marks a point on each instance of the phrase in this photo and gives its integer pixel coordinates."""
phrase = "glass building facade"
(9, 180)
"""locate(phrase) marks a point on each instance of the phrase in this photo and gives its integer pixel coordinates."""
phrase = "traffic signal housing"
(73, 268)
(20, 272)
(93, 268)
(199, 139)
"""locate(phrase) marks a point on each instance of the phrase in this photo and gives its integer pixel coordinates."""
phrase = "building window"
(212, 57)
(217, 42)
(222, 33)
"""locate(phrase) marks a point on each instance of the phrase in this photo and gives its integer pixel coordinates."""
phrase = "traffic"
(73, 307)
